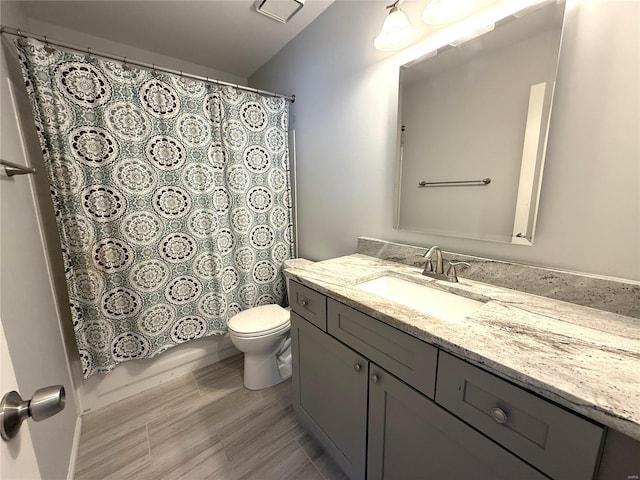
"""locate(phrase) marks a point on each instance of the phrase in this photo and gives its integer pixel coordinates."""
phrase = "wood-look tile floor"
(203, 425)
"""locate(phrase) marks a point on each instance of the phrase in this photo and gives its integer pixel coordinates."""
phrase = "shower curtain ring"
(22, 41)
(47, 48)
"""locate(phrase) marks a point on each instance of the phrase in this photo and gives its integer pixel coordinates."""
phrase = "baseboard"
(137, 376)
(75, 449)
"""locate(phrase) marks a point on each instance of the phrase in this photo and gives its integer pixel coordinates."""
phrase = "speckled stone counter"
(585, 359)
(603, 294)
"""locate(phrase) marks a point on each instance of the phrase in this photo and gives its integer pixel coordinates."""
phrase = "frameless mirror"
(473, 124)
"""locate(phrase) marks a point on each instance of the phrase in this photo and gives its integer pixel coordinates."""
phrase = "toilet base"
(263, 371)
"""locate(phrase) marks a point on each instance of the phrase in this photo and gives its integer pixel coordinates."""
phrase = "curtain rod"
(127, 61)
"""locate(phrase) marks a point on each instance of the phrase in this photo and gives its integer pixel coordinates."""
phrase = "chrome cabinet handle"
(357, 367)
(375, 378)
(499, 415)
(304, 303)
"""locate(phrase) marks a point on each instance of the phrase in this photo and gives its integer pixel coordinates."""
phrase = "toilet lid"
(259, 320)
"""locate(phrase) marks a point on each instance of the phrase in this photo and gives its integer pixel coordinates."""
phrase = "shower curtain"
(171, 195)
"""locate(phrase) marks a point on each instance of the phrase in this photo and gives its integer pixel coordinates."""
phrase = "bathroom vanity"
(507, 391)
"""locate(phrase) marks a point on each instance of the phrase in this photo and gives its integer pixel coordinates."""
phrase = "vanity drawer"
(406, 357)
(309, 304)
(558, 442)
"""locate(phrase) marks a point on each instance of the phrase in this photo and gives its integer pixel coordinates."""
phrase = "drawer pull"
(499, 415)
(304, 303)
(375, 378)
(357, 367)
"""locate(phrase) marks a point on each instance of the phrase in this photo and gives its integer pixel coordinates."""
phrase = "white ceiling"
(224, 35)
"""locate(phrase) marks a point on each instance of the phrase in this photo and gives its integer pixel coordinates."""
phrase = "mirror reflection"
(473, 131)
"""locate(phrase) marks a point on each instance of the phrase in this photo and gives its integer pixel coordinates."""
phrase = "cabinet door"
(411, 438)
(330, 394)
(558, 442)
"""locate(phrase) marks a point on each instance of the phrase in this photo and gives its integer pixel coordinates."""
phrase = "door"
(17, 458)
(330, 394)
(412, 438)
(31, 326)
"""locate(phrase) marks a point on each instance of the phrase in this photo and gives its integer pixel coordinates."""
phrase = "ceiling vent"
(280, 10)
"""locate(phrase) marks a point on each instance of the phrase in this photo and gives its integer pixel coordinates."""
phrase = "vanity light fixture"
(397, 31)
(442, 12)
(471, 35)
(280, 10)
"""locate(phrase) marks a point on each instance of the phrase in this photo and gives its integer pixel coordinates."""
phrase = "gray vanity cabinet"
(412, 438)
(330, 383)
(370, 394)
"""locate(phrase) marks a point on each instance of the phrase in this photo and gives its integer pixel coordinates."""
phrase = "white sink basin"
(431, 301)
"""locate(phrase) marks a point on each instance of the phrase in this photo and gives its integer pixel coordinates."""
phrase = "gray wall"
(345, 120)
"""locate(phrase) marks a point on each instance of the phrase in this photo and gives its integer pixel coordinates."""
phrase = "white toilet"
(262, 333)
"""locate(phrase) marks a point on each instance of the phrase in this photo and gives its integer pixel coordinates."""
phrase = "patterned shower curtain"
(172, 199)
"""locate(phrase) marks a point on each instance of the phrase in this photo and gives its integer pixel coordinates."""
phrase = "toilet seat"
(266, 333)
(259, 321)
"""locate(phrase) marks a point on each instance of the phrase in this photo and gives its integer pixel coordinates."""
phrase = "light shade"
(441, 12)
(397, 32)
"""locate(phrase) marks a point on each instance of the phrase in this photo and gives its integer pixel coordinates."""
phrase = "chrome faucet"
(438, 272)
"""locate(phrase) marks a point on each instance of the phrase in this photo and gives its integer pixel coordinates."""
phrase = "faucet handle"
(428, 267)
(452, 275)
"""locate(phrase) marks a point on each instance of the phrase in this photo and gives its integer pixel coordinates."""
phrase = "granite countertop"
(585, 359)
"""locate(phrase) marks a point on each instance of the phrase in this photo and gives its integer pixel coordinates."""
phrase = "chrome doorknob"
(14, 410)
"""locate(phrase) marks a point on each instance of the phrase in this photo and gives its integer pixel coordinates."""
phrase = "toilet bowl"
(262, 333)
